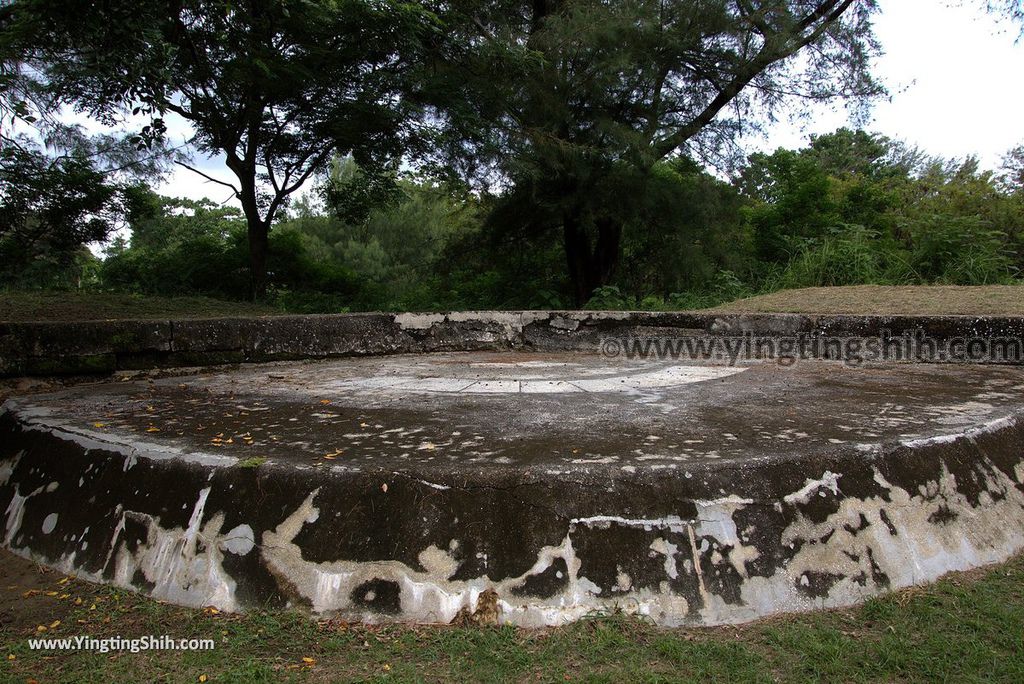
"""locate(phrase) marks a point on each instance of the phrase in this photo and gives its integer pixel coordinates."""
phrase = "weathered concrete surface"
(106, 346)
(404, 488)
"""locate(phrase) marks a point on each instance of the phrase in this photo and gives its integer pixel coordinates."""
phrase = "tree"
(275, 86)
(614, 87)
(50, 208)
(59, 187)
(1013, 170)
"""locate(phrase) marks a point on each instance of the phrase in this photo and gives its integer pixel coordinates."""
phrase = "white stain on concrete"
(828, 481)
(49, 523)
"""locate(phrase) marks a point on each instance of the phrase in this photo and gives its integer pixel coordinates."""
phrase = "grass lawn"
(982, 300)
(859, 299)
(92, 306)
(966, 628)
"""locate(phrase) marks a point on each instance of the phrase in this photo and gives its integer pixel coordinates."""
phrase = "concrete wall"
(726, 543)
(57, 348)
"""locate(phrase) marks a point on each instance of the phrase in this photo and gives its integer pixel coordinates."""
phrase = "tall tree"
(60, 188)
(614, 87)
(275, 86)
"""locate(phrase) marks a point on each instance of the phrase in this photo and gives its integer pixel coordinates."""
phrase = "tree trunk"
(576, 252)
(590, 268)
(258, 230)
(258, 242)
(607, 251)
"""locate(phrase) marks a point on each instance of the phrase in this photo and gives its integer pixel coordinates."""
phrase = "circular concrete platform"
(535, 487)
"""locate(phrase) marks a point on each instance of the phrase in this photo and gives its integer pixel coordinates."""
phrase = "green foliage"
(612, 88)
(186, 247)
(687, 229)
(853, 209)
(352, 191)
(849, 209)
(959, 250)
(276, 86)
(848, 255)
(49, 209)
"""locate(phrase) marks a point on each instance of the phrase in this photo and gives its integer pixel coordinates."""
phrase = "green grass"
(92, 306)
(966, 628)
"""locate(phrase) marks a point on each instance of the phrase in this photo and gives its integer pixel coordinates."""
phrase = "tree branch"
(771, 52)
(209, 178)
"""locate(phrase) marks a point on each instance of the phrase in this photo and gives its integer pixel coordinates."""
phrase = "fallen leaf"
(99, 425)
(55, 624)
(309, 661)
(202, 678)
(384, 488)
(152, 429)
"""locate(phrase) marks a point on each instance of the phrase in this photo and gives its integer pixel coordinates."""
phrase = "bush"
(850, 255)
(959, 250)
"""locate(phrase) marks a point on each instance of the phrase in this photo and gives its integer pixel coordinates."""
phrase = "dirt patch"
(933, 300)
(33, 596)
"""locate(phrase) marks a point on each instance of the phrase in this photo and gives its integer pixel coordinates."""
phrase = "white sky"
(955, 74)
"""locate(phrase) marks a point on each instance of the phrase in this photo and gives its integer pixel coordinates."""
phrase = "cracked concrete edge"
(61, 348)
(725, 545)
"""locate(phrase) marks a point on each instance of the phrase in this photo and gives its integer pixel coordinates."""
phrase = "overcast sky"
(956, 78)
